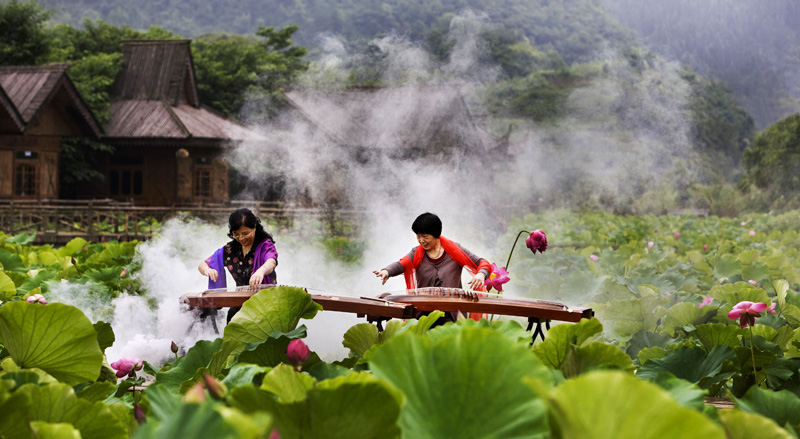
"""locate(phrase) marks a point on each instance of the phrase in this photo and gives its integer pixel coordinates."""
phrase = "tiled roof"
(159, 119)
(388, 118)
(29, 88)
(157, 69)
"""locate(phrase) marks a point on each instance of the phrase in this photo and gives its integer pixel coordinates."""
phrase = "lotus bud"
(650, 244)
(274, 435)
(594, 258)
(138, 413)
(174, 348)
(705, 246)
(536, 241)
(752, 233)
(124, 273)
(677, 234)
(215, 387)
(297, 352)
(37, 298)
(197, 394)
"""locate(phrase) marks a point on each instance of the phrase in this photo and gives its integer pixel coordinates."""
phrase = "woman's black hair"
(244, 217)
(427, 224)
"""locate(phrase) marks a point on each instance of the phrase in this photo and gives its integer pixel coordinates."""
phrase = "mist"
(623, 156)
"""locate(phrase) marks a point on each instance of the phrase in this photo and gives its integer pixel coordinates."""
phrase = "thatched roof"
(26, 90)
(155, 96)
(402, 118)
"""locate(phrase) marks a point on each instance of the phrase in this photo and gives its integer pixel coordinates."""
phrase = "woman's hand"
(212, 274)
(383, 274)
(258, 277)
(476, 283)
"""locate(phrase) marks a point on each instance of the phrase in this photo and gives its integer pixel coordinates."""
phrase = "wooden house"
(39, 106)
(168, 147)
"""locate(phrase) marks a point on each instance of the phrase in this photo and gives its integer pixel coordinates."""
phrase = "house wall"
(18, 152)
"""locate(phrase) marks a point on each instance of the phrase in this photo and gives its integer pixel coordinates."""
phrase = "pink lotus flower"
(752, 233)
(297, 352)
(744, 223)
(771, 308)
(677, 234)
(127, 366)
(37, 298)
(705, 246)
(667, 293)
(706, 301)
(655, 229)
(594, 258)
(274, 435)
(536, 241)
(650, 244)
(497, 278)
(747, 312)
(752, 282)
(138, 414)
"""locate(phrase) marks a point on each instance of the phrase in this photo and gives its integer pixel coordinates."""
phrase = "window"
(25, 180)
(202, 183)
(125, 182)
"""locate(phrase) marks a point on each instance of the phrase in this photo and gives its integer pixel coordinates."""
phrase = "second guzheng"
(406, 304)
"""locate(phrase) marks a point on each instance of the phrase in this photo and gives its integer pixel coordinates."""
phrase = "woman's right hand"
(212, 274)
(383, 274)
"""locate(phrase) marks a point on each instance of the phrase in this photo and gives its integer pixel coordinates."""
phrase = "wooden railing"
(59, 221)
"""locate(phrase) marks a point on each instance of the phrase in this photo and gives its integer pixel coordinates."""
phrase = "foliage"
(773, 162)
(22, 34)
(232, 69)
(661, 312)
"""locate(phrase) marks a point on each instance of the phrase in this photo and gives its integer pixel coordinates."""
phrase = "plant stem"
(753, 354)
(512, 247)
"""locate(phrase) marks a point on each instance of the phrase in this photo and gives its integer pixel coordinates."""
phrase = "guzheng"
(407, 304)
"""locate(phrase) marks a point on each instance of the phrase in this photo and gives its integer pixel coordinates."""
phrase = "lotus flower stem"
(753, 353)
(515, 244)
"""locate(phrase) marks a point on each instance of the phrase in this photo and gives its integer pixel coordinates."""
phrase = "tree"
(773, 162)
(232, 69)
(23, 40)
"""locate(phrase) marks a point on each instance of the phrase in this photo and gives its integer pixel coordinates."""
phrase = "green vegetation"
(662, 341)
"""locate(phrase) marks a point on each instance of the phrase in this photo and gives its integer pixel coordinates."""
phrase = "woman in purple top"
(250, 256)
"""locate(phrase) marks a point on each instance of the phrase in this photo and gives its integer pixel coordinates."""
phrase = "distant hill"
(752, 45)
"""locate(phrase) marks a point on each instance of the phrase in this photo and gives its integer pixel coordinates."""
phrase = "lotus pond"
(661, 343)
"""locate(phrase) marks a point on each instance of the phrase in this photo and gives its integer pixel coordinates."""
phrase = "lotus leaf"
(717, 334)
(447, 383)
(686, 314)
(610, 404)
(781, 406)
(743, 425)
(56, 338)
(189, 421)
(57, 403)
(690, 363)
(287, 384)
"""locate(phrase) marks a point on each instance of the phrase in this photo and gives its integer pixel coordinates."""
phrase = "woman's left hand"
(476, 283)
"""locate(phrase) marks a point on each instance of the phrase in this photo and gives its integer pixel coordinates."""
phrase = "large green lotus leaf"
(647, 339)
(14, 407)
(448, 383)
(163, 403)
(726, 266)
(687, 394)
(743, 425)
(196, 357)
(686, 314)
(269, 311)
(12, 262)
(57, 403)
(651, 353)
(7, 287)
(190, 421)
(242, 374)
(593, 356)
(56, 338)
(782, 406)
(288, 385)
(510, 328)
(97, 391)
(610, 404)
(38, 281)
(747, 257)
(105, 334)
(359, 338)
(269, 352)
(690, 363)
(717, 334)
(73, 248)
(250, 399)
(792, 314)
(781, 290)
(46, 430)
(554, 350)
(354, 406)
(49, 258)
(735, 293)
(758, 272)
(767, 332)
(627, 317)
(21, 238)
